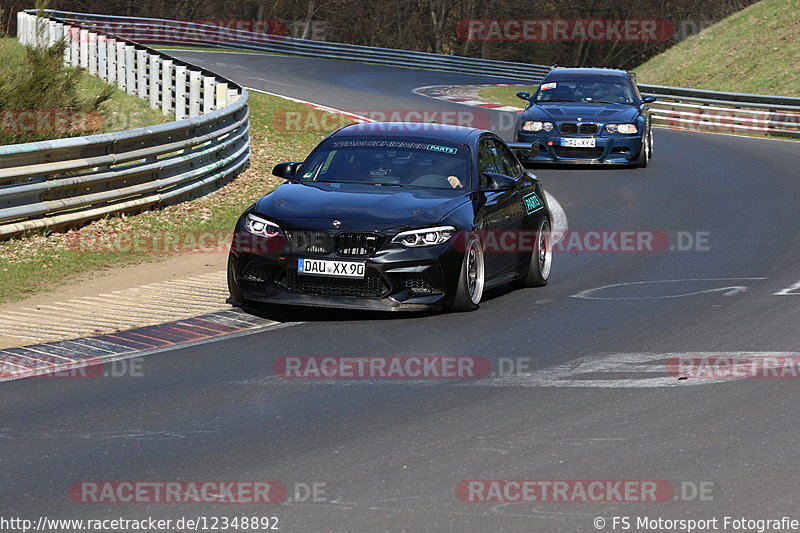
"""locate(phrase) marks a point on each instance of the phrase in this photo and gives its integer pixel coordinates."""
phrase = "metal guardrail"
(66, 182)
(724, 112)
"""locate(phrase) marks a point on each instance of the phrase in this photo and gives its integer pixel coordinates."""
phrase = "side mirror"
(288, 170)
(499, 182)
(648, 99)
(524, 95)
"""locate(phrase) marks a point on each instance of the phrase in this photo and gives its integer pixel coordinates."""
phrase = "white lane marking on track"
(789, 291)
(315, 105)
(588, 294)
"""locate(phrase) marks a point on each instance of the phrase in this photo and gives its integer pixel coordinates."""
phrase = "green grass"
(95, 106)
(506, 95)
(40, 262)
(755, 50)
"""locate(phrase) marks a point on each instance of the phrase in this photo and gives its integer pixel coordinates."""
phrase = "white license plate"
(578, 143)
(322, 267)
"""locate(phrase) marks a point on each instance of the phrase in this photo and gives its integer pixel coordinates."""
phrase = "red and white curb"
(467, 95)
(54, 358)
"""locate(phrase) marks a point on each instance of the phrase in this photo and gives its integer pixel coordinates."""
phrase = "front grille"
(311, 241)
(419, 285)
(569, 128)
(358, 244)
(578, 153)
(586, 128)
(371, 286)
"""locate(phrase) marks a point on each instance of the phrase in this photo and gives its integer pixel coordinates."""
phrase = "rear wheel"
(471, 280)
(538, 270)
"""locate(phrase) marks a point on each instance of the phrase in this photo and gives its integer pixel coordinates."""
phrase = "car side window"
(511, 166)
(488, 160)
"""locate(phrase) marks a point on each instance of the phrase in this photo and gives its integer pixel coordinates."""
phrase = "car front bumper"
(609, 149)
(396, 279)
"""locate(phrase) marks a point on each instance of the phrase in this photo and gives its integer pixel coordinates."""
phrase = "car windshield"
(387, 162)
(588, 90)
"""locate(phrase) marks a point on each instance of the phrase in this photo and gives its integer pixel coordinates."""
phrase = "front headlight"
(622, 128)
(262, 227)
(424, 237)
(535, 125)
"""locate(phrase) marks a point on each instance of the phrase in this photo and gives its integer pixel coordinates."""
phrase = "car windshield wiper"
(607, 102)
(557, 100)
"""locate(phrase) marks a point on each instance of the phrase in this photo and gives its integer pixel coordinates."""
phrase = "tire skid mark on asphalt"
(66, 355)
(145, 305)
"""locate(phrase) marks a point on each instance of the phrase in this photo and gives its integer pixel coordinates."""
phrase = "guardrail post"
(92, 56)
(209, 94)
(102, 60)
(222, 95)
(194, 93)
(180, 92)
(21, 27)
(155, 81)
(58, 32)
(64, 36)
(83, 58)
(52, 33)
(141, 73)
(122, 72)
(74, 42)
(167, 86)
(130, 69)
(111, 61)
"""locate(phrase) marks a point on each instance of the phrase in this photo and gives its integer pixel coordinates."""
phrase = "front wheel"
(471, 279)
(538, 270)
(646, 151)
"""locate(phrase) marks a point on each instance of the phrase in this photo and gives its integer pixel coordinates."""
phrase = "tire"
(641, 161)
(650, 143)
(541, 262)
(471, 279)
(236, 297)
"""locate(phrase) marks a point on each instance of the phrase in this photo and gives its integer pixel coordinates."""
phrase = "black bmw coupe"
(394, 216)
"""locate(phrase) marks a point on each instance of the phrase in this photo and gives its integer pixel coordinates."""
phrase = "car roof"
(572, 73)
(441, 132)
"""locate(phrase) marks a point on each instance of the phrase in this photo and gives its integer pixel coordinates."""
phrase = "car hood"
(602, 113)
(358, 206)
